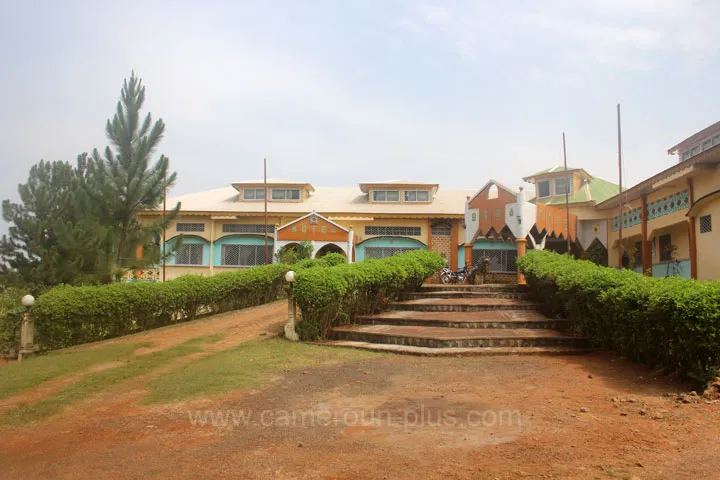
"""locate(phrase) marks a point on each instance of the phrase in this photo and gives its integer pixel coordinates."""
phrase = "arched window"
(492, 192)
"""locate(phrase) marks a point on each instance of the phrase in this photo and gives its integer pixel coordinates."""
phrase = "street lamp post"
(290, 332)
(27, 329)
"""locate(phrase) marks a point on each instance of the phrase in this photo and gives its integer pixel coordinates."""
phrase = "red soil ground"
(588, 416)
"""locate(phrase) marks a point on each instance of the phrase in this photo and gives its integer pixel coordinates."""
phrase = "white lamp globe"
(290, 276)
(28, 300)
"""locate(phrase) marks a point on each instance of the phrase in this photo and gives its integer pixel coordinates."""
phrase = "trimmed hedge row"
(669, 322)
(67, 315)
(333, 296)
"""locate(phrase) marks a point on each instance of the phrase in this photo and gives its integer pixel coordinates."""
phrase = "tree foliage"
(123, 181)
(79, 224)
(56, 235)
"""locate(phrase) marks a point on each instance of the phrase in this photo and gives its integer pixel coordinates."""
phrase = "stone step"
(470, 294)
(464, 304)
(440, 337)
(487, 287)
(487, 319)
(455, 352)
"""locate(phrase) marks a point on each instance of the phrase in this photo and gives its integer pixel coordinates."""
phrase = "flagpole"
(266, 208)
(620, 221)
(567, 196)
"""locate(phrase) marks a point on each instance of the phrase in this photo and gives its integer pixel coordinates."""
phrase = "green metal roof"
(599, 191)
(556, 168)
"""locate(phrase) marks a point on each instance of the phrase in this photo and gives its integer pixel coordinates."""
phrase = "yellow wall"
(359, 227)
(708, 244)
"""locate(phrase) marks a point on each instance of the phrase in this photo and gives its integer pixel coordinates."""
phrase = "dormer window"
(386, 195)
(417, 195)
(253, 194)
(543, 189)
(285, 194)
(560, 184)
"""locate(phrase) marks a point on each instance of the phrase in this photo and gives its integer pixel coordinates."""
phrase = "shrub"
(333, 296)
(67, 315)
(669, 322)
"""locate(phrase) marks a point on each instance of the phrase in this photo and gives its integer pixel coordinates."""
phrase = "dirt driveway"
(590, 416)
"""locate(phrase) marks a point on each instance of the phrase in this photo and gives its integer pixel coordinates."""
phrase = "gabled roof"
(492, 182)
(555, 169)
(318, 216)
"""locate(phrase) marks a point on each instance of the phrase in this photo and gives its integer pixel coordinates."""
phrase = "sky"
(341, 92)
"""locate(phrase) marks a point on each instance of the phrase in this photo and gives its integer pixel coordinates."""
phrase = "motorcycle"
(448, 276)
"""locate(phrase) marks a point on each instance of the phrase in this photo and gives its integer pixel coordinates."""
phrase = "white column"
(351, 236)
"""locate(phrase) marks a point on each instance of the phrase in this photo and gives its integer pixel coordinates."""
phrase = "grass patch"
(31, 372)
(102, 381)
(246, 366)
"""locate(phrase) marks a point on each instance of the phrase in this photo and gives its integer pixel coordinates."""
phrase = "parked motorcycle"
(448, 276)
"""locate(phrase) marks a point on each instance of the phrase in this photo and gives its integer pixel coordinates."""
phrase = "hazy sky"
(341, 91)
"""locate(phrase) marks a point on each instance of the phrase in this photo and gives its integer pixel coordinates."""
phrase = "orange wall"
(487, 209)
(553, 219)
(322, 231)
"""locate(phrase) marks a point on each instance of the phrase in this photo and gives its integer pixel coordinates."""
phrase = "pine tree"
(55, 235)
(122, 181)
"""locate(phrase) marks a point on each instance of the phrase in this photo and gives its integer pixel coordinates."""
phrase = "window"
(386, 195)
(543, 189)
(716, 140)
(560, 186)
(707, 144)
(492, 192)
(242, 255)
(286, 194)
(497, 213)
(384, 252)
(393, 231)
(253, 194)
(190, 227)
(190, 254)
(705, 224)
(686, 155)
(441, 230)
(665, 245)
(246, 228)
(417, 195)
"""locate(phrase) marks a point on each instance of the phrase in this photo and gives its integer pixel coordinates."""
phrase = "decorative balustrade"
(663, 206)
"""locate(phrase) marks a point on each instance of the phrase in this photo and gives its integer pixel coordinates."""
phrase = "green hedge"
(672, 322)
(67, 315)
(335, 295)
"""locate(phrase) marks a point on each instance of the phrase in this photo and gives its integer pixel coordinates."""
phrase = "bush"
(670, 322)
(10, 317)
(333, 296)
(67, 315)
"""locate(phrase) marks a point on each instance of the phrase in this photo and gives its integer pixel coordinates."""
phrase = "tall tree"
(122, 181)
(55, 235)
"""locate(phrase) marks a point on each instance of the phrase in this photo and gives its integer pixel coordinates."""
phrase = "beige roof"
(695, 138)
(324, 200)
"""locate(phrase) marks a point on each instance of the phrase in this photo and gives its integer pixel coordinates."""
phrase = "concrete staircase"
(454, 320)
